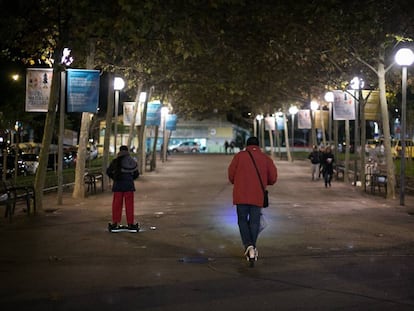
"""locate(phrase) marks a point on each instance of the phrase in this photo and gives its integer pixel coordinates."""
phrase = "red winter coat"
(241, 173)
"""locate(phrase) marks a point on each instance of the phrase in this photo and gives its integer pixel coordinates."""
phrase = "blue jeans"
(248, 219)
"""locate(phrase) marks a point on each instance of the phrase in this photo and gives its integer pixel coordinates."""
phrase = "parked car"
(69, 160)
(31, 161)
(188, 146)
(11, 165)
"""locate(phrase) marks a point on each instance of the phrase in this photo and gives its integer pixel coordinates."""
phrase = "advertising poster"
(82, 90)
(319, 116)
(304, 119)
(280, 121)
(128, 114)
(270, 123)
(153, 113)
(171, 124)
(343, 105)
(372, 105)
(38, 87)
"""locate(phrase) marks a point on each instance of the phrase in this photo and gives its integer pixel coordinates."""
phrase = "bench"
(376, 181)
(11, 194)
(90, 180)
(6, 199)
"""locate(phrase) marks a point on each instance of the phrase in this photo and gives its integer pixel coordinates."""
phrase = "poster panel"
(171, 124)
(320, 115)
(372, 105)
(304, 119)
(38, 87)
(82, 90)
(270, 123)
(153, 113)
(280, 121)
(128, 113)
(343, 105)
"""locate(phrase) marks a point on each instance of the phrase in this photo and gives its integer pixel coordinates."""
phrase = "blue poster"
(153, 113)
(82, 90)
(171, 124)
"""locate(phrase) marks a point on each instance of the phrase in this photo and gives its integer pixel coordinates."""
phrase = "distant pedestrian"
(314, 157)
(123, 170)
(248, 192)
(328, 161)
(232, 145)
(226, 147)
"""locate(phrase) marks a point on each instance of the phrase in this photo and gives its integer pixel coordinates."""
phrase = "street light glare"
(142, 97)
(329, 97)
(314, 105)
(404, 57)
(357, 83)
(293, 110)
(119, 83)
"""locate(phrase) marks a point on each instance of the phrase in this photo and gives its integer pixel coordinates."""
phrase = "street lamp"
(293, 110)
(333, 141)
(329, 98)
(119, 84)
(404, 58)
(164, 114)
(357, 84)
(259, 119)
(314, 106)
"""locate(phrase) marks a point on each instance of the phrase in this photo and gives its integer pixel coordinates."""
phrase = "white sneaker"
(256, 254)
(249, 253)
(252, 254)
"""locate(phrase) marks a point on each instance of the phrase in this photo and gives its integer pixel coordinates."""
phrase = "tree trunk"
(39, 182)
(386, 126)
(79, 188)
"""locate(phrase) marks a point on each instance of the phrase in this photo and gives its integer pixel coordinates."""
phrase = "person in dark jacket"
(327, 162)
(123, 170)
(248, 192)
(315, 161)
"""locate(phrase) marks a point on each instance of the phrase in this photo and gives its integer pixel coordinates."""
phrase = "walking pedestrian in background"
(327, 162)
(123, 170)
(315, 161)
(248, 192)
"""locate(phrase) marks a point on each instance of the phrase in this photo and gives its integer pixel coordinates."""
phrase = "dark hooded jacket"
(123, 170)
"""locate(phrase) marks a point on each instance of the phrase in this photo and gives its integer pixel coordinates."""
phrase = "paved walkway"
(323, 249)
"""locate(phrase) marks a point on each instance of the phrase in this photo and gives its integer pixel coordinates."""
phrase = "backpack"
(114, 170)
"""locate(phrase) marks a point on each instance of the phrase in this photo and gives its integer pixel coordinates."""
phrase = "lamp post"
(329, 98)
(259, 119)
(404, 58)
(357, 84)
(164, 114)
(314, 106)
(293, 110)
(119, 84)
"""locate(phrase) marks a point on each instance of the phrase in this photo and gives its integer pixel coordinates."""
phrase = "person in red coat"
(248, 192)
